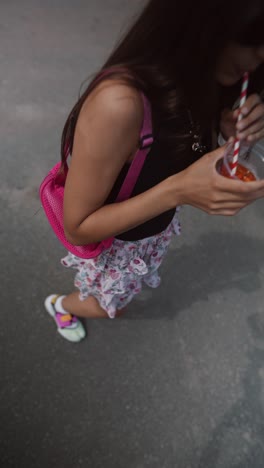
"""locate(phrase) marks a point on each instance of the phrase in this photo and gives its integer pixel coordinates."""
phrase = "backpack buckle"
(146, 142)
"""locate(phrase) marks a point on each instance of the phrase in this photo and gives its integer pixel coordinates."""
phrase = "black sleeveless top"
(157, 167)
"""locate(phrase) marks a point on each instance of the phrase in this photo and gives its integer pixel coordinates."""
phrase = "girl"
(181, 57)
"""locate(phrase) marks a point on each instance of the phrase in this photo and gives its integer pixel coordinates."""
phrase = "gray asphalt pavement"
(179, 381)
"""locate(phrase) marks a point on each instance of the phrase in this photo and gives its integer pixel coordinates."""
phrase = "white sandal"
(68, 325)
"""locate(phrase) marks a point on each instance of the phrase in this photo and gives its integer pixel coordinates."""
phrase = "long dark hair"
(170, 53)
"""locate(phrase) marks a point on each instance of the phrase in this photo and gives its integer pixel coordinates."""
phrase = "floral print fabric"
(118, 273)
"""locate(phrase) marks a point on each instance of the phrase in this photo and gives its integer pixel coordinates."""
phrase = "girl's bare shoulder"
(117, 103)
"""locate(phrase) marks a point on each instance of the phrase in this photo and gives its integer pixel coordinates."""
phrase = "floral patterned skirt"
(118, 273)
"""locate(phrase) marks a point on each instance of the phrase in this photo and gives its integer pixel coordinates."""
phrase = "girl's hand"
(204, 188)
(251, 127)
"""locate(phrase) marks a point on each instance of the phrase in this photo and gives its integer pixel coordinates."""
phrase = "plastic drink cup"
(250, 165)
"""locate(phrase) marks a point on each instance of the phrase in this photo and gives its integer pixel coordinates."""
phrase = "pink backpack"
(52, 191)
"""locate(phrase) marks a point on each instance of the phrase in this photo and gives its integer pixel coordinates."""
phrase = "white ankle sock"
(58, 306)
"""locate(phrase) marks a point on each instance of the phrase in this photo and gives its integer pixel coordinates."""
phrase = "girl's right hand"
(204, 188)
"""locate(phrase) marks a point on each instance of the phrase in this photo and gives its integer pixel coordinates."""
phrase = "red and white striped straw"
(243, 97)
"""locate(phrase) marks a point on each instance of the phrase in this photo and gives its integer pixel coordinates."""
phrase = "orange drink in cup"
(250, 165)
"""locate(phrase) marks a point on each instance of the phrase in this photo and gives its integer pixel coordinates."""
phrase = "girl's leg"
(65, 310)
(89, 308)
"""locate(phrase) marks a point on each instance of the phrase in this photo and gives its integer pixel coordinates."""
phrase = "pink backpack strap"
(146, 141)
